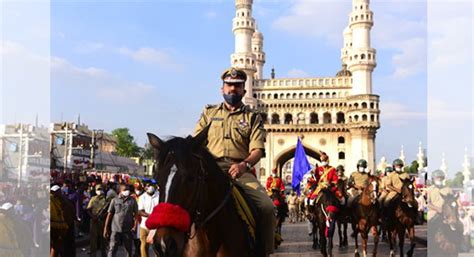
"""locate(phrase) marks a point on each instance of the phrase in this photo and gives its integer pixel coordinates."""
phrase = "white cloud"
(315, 18)
(398, 25)
(411, 59)
(441, 110)
(210, 15)
(296, 73)
(88, 47)
(103, 85)
(398, 114)
(25, 85)
(150, 55)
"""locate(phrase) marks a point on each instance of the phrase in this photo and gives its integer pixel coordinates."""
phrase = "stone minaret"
(361, 57)
(243, 26)
(257, 47)
(421, 157)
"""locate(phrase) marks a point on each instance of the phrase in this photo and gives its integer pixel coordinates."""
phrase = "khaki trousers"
(257, 193)
(144, 246)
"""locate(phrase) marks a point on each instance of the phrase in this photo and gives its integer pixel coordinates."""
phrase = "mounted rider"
(394, 182)
(326, 177)
(274, 182)
(385, 182)
(436, 193)
(358, 181)
(236, 140)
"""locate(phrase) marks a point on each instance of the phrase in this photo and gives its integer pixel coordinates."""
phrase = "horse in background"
(324, 218)
(343, 217)
(402, 214)
(281, 212)
(365, 216)
(445, 229)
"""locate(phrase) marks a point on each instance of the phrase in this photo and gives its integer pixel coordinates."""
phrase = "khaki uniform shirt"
(361, 180)
(395, 180)
(385, 182)
(231, 134)
(435, 197)
(96, 204)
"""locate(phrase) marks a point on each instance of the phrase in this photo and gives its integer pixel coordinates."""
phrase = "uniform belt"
(227, 159)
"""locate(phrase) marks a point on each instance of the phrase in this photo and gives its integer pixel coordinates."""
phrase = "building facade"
(338, 115)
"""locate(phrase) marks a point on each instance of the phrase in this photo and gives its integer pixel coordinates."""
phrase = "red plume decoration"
(169, 215)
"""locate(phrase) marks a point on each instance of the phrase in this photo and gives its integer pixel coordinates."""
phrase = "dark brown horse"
(402, 214)
(365, 216)
(281, 212)
(190, 181)
(445, 230)
(343, 216)
(324, 218)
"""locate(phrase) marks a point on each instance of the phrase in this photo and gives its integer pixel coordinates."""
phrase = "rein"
(196, 217)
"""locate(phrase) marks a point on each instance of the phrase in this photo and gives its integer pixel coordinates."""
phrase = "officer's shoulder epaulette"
(210, 106)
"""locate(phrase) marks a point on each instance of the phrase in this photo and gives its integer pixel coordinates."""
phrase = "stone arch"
(289, 153)
(288, 118)
(327, 118)
(341, 140)
(313, 118)
(340, 118)
(275, 118)
(341, 155)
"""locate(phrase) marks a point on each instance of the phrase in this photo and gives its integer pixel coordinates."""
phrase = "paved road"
(298, 244)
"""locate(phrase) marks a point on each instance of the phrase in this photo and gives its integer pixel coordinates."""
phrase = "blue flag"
(300, 166)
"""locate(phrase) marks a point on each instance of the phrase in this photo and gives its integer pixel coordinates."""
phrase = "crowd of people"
(24, 214)
(426, 197)
(110, 212)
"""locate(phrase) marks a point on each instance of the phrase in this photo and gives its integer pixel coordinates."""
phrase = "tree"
(126, 145)
(414, 167)
(457, 181)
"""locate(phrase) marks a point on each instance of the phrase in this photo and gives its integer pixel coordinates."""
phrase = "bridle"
(196, 215)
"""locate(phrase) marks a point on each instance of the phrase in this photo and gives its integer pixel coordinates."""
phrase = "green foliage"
(413, 169)
(456, 181)
(126, 145)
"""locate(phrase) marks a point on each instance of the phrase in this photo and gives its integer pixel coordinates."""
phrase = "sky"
(151, 66)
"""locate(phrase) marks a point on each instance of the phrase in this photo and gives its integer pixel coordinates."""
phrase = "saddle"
(248, 214)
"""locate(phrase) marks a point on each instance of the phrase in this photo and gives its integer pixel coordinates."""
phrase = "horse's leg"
(332, 230)
(322, 239)
(375, 233)
(356, 250)
(401, 239)
(392, 233)
(339, 232)
(411, 235)
(344, 241)
(315, 235)
(364, 235)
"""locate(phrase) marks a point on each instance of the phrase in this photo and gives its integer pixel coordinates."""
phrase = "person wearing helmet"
(326, 178)
(342, 179)
(383, 186)
(274, 182)
(436, 193)
(394, 181)
(358, 181)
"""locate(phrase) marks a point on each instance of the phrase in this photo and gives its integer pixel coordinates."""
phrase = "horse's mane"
(182, 148)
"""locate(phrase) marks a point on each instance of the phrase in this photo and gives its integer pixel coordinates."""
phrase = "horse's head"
(181, 177)
(450, 210)
(408, 192)
(373, 190)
